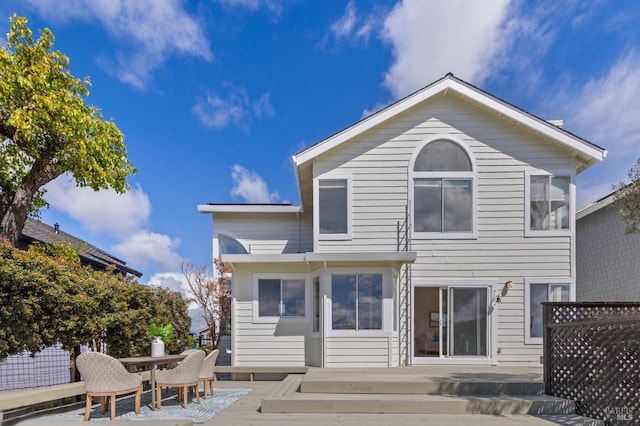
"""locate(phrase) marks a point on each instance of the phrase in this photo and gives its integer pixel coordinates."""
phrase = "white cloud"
(103, 211)
(431, 38)
(605, 111)
(352, 26)
(174, 281)
(251, 187)
(152, 31)
(143, 248)
(233, 109)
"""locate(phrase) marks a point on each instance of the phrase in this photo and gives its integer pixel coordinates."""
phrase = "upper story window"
(548, 204)
(443, 191)
(334, 209)
(229, 245)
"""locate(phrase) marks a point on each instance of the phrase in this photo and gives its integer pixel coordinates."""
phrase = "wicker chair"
(206, 372)
(184, 376)
(105, 376)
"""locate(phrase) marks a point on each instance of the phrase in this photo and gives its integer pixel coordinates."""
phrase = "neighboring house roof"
(35, 230)
(596, 205)
(586, 152)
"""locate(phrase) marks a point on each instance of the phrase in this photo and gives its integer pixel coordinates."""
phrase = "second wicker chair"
(184, 376)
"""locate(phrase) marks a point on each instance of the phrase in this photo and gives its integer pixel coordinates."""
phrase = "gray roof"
(35, 230)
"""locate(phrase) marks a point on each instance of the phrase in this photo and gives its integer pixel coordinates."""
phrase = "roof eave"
(449, 82)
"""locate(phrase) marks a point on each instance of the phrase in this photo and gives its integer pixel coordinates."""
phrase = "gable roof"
(35, 230)
(587, 153)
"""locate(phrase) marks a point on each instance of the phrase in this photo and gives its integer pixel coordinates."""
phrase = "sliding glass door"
(451, 321)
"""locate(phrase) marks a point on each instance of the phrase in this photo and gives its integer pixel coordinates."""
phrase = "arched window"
(229, 245)
(443, 190)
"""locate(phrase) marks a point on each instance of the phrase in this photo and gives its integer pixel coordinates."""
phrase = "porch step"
(416, 381)
(288, 399)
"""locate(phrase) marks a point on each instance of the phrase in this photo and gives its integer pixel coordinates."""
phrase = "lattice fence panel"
(593, 357)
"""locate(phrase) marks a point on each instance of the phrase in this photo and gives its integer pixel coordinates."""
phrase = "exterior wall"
(608, 269)
(357, 351)
(265, 344)
(378, 164)
(267, 233)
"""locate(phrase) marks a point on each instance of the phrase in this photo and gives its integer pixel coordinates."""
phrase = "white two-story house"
(427, 233)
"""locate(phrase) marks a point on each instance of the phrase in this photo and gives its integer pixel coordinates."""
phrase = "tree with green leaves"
(47, 299)
(46, 129)
(627, 199)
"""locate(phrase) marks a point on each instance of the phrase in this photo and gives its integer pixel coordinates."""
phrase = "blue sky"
(214, 96)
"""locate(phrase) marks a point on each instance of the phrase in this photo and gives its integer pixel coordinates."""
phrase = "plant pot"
(157, 347)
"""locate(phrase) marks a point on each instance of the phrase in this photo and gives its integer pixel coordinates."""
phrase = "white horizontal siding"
(268, 233)
(264, 344)
(378, 162)
(343, 352)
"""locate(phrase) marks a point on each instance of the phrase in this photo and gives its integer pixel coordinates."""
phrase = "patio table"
(153, 363)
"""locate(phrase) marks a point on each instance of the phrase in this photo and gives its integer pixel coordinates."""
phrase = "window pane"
(268, 298)
(442, 156)
(370, 302)
(539, 203)
(333, 206)
(292, 298)
(427, 205)
(343, 295)
(559, 202)
(537, 295)
(458, 205)
(230, 245)
(559, 293)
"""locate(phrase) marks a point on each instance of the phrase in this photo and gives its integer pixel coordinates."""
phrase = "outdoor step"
(422, 388)
(288, 399)
(421, 381)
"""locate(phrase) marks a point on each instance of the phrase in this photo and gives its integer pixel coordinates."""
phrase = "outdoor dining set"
(105, 376)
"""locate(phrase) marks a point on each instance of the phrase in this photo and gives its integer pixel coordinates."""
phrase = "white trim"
(364, 257)
(450, 84)
(473, 175)
(248, 208)
(316, 207)
(387, 302)
(257, 319)
(595, 206)
(491, 285)
(570, 232)
(528, 340)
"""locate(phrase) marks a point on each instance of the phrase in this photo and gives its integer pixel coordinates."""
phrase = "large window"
(537, 292)
(549, 202)
(281, 297)
(356, 302)
(443, 191)
(333, 207)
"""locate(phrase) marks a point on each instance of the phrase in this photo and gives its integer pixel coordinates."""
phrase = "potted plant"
(161, 334)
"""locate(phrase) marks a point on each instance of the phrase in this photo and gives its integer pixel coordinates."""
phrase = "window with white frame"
(281, 297)
(443, 190)
(333, 207)
(356, 301)
(316, 304)
(549, 203)
(536, 292)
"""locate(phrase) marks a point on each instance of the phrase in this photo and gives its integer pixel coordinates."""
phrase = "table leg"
(153, 387)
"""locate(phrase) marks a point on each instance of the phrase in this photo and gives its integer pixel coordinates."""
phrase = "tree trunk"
(13, 221)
